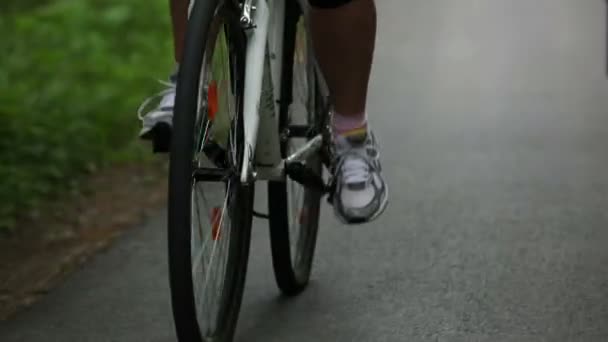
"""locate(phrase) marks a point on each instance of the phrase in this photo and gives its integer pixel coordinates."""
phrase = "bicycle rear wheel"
(210, 210)
(293, 208)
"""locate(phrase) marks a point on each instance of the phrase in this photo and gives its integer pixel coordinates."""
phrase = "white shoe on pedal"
(361, 193)
(159, 116)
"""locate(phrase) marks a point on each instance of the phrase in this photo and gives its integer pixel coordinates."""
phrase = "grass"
(72, 75)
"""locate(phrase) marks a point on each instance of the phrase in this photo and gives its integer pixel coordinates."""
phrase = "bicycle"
(251, 105)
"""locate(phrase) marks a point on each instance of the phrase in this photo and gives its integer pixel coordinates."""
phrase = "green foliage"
(72, 73)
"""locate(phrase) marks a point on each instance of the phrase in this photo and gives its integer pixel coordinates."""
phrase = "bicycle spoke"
(203, 264)
(208, 268)
(206, 282)
(220, 272)
(199, 255)
(200, 225)
(206, 136)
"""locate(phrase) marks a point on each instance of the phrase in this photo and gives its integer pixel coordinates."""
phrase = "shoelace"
(170, 89)
(354, 168)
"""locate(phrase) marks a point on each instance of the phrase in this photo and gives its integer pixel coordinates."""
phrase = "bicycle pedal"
(305, 176)
(161, 138)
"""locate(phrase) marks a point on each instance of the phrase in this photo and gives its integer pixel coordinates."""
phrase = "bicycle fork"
(262, 150)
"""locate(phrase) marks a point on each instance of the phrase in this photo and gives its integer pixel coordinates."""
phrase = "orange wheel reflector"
(212, 100)
(216, 217)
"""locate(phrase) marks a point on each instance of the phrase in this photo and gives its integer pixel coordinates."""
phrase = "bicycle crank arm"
(306, 151)
(277, 172)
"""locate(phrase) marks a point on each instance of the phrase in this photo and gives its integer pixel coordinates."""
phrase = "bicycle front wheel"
(210, 210)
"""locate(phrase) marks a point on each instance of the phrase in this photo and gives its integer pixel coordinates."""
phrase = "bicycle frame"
(263, 21)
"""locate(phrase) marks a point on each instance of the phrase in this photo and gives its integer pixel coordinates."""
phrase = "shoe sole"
(361, 220)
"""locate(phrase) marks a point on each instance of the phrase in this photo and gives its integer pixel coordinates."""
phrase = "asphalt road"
(493, 118)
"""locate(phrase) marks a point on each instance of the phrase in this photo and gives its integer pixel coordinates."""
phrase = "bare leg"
(344, 40)
(179, 20)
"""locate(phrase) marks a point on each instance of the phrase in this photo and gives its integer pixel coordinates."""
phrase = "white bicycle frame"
(264, 21)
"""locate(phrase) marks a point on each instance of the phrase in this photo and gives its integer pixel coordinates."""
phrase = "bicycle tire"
(239, 197)
(292, 263)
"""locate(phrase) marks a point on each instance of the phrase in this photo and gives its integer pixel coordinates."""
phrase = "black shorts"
(328, 3)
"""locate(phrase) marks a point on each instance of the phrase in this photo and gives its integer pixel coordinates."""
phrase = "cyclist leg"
(179, 21)
(344, 33)
(162, 111)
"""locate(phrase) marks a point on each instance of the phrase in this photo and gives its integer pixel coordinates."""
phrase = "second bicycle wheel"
(293, 208)
(210, 210)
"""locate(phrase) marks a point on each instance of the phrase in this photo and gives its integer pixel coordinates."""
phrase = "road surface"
(493, 117)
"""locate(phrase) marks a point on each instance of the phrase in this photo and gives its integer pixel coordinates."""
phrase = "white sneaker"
(361, 193)
(160, 116)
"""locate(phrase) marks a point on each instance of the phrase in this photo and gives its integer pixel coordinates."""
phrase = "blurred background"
(73, 173)
(72, 75)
